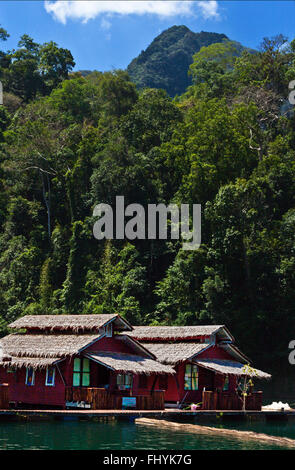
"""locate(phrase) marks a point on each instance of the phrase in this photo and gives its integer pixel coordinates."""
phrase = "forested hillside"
(165, 63)
(69, 142)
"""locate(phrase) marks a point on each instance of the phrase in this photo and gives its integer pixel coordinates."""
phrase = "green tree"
(119, 285)
(212, 69)
(55, 63)
(4, 34)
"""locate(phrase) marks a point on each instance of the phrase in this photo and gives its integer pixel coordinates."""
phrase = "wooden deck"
(168, 414)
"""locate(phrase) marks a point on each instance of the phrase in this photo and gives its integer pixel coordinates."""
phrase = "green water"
(77, 435)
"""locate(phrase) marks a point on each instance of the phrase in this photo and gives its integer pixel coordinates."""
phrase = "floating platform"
(167, 414)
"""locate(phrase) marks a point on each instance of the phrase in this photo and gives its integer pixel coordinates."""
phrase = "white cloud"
(85, 10)
(209, 8)
(105, 24)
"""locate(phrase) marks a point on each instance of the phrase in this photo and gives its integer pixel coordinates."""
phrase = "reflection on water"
(75, 435)
(273, 428)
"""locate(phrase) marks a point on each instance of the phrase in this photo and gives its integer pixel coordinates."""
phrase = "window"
(86, 373)
(142, 381)
(30, 376)
(191, 377)
(124, 381)
(50, 377)
(81, 372)
(226, 384)
(109, 330)
(163, 382)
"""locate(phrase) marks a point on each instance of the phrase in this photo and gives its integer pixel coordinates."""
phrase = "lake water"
(89, 435)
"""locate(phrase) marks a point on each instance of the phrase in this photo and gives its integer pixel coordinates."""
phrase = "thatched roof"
(222, 366)
(129, 363)
(172, 353)
(136, 346)
(31, 345)
(170, 333)
(4, 356)
(234, 351)
(34, 362)
(74, 323)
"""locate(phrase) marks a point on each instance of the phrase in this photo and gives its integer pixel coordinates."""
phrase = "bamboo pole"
(195, 428)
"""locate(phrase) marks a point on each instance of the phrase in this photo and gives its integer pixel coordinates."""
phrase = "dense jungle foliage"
(69, 142)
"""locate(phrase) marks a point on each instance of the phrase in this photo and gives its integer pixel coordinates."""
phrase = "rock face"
(165, 63)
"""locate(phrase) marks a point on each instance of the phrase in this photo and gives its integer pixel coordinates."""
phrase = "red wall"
(175, 394)
(214, 352)
(39, 393)
(109, 344)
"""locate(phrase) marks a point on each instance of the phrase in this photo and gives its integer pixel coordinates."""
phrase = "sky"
(105, 35)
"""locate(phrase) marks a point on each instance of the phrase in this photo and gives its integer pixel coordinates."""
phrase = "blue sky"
(104, 35)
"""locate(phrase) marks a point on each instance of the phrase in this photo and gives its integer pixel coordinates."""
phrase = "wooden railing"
(4, 396)
(101, 399)
(230, 401)
(98, 398)
(153, 401)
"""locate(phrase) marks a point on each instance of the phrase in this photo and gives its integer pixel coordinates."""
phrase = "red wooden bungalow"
(209, 367)
(102, 362)
(78, 361)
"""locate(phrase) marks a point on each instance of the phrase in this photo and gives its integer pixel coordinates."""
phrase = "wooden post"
(154, 383)
(4, 396)
(177, 384)
(62, 377)
(215, 400)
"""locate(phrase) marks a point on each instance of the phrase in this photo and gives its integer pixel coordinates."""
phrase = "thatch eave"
(175, 352)
(128, 363)
(33, 362)
(46, 346)
(175, 333)
(70, 323)
(226, 367)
